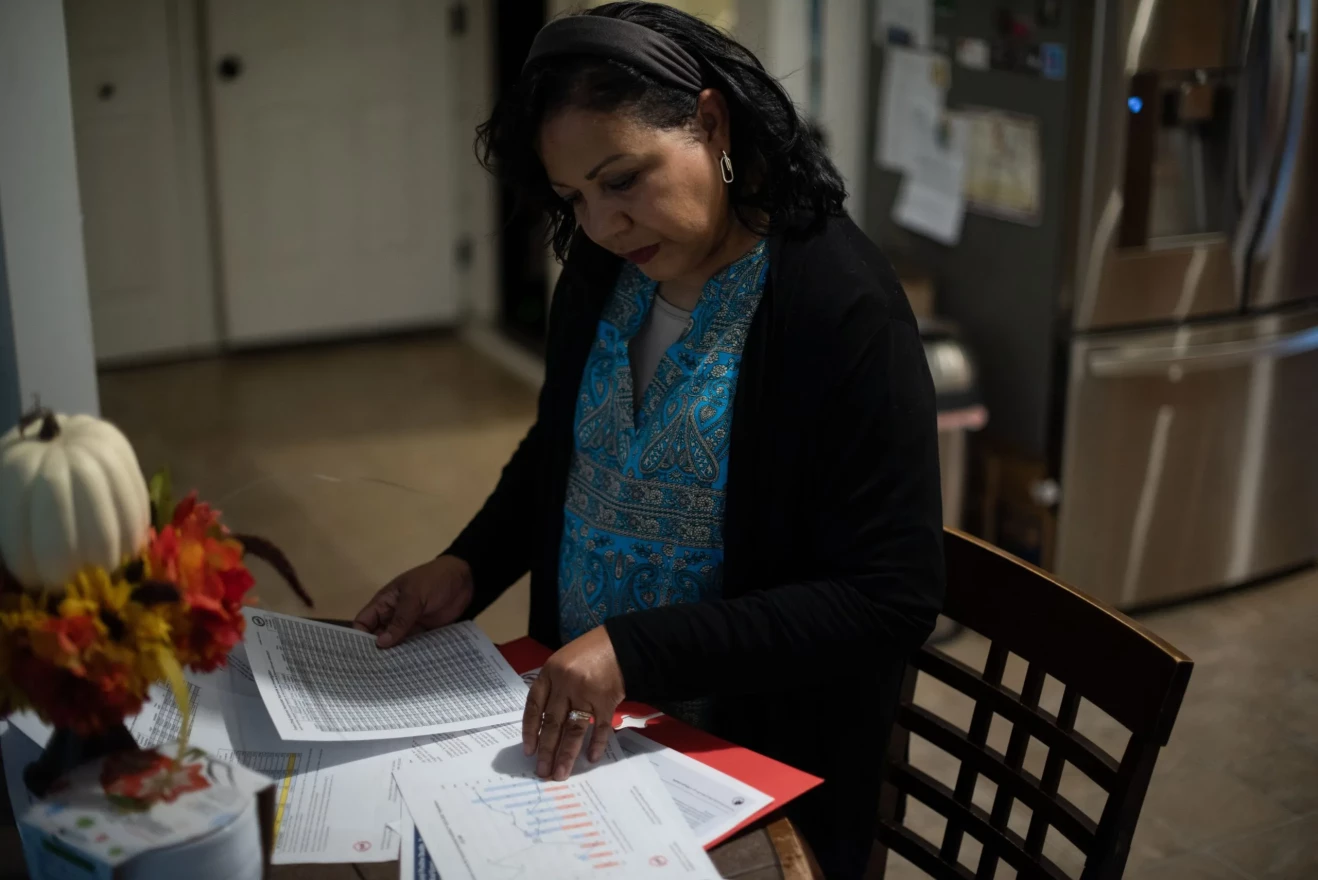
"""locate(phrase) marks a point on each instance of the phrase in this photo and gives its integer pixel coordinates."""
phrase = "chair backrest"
(1097, 654)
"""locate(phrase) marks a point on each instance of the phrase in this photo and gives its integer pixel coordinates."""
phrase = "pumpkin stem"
(39, 413)
(49, 427)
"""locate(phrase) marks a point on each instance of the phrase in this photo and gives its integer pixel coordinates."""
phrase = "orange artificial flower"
(196, 554)
(149, 777)
(61, 641)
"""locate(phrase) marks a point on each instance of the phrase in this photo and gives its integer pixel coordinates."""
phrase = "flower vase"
(67, 750)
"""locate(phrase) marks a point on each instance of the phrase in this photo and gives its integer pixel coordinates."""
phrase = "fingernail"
(528, 749)
(542, 769)
(560, 774)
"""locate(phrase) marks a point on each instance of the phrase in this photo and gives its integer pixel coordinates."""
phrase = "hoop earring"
(725, 167)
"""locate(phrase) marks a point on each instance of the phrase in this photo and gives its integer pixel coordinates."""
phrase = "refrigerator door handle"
(1257, 177)
(1299, 37)
(1134, 360)
(1241, 120)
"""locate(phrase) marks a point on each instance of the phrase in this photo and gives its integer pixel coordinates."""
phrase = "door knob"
(230, 68)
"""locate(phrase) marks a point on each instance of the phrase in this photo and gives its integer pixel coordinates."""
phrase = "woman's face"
(653, 196)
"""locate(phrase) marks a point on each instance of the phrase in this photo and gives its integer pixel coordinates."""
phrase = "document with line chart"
(322, 682)
(491, 818)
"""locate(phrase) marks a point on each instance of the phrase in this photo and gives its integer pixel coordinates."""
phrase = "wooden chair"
(1097, 654)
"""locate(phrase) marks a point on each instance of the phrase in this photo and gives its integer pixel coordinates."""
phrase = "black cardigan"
(833, 569)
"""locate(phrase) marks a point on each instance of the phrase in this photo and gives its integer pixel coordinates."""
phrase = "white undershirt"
(663, 326)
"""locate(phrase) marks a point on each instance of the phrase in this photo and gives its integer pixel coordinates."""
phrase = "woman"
(729, 501)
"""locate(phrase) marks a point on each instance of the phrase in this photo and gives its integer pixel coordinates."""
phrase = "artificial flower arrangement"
(106, 584)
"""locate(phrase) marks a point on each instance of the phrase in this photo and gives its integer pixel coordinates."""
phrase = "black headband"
(635, 44)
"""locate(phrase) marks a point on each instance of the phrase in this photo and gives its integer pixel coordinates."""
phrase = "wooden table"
(770, 850)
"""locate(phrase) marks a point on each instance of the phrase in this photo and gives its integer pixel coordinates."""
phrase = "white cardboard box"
(153, 817)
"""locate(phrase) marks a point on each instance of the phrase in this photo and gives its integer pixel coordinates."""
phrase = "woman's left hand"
(583, 676)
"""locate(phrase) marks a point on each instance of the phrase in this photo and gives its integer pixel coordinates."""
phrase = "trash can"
(960, 411)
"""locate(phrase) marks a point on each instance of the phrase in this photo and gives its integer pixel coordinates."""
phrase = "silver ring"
(578, 715)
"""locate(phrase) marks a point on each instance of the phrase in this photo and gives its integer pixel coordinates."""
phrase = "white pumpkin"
(71, 495)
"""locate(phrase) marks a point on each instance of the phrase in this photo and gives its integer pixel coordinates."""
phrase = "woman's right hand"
(431, 595)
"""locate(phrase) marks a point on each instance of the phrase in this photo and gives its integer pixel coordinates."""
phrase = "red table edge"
(779, 781)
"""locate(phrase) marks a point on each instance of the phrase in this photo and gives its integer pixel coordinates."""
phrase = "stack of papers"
(351, 733)
(491, 817)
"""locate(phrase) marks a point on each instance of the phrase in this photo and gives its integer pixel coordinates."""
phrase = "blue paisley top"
(643, 521)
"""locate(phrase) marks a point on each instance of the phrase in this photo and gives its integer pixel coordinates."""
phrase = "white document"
(337, 802)
(712, 802)
(414, 861)
(930, 200)
(1004, 165)
(158, 722)
(332, 800)
(489, 816)
(325, 682)
(330, 807)
(910, 105)
(909, 22)
(973, 53)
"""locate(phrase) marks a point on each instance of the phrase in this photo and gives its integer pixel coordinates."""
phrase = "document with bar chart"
(493, 819)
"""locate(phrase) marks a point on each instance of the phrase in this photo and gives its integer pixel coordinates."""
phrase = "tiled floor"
(362, 460)
(358, 461)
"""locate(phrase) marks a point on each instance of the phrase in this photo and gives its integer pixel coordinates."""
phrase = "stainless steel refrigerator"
(1154, 338)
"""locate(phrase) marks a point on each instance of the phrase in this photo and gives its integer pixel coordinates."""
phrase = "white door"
(331, 126)
(136, 114)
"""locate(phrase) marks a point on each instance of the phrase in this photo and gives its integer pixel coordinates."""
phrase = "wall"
(47, 333)
(11, 398)
(778, 32)
(845, 96)
(473, 73)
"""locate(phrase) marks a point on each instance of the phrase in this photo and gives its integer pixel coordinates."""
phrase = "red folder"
(777, 780)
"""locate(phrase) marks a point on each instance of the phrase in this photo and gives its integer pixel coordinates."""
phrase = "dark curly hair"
(787, 176)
